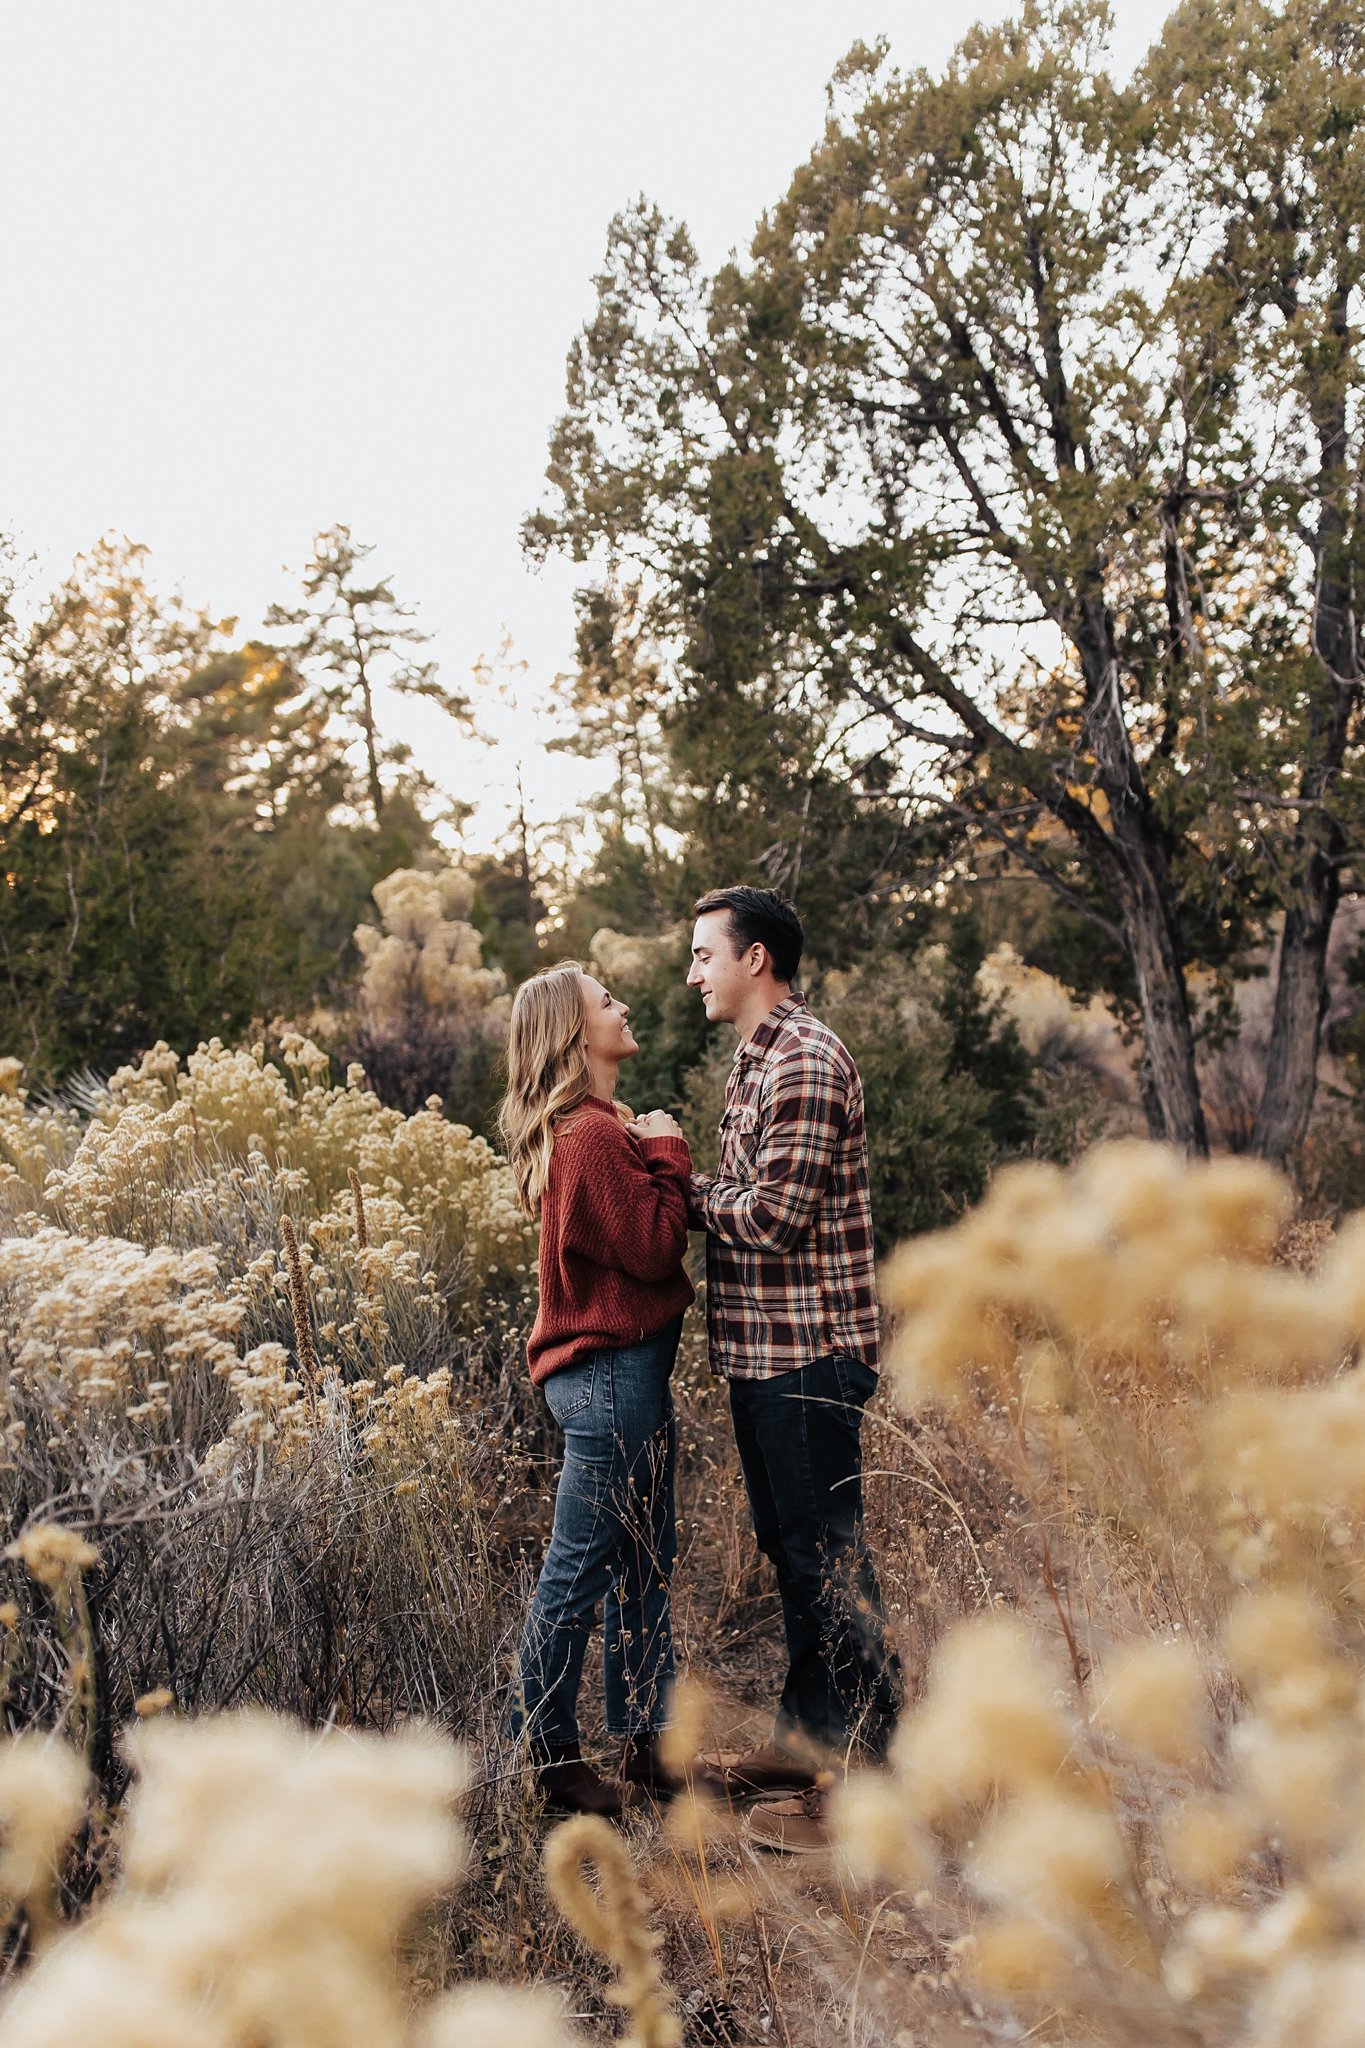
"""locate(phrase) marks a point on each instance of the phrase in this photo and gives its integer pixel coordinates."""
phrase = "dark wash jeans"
(800, 1446)
(615, 1537)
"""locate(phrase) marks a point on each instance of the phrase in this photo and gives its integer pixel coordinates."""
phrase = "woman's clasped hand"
(657, 1123)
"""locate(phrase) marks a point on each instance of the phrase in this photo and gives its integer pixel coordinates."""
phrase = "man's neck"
(765, 999)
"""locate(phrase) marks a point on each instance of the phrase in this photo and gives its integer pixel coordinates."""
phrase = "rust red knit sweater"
(613, 1231)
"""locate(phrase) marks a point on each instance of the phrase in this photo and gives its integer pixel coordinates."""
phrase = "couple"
(791, 1322)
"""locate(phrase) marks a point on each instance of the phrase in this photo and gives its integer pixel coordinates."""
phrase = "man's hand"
(657, 1124)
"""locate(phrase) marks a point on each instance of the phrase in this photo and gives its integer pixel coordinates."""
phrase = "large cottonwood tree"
(966, 446)
(1258, 114)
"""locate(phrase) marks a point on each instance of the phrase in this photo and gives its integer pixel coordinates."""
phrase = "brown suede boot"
(569, 1784)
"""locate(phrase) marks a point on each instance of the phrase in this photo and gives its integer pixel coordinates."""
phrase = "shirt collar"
(766, 1032)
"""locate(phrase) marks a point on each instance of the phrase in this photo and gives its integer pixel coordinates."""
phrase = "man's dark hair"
(760, 917)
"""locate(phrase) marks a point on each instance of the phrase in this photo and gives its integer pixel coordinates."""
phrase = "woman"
(610, 1192)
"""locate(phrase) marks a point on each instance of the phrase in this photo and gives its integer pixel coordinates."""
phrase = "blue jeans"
(800, 1448)
(615, 1538)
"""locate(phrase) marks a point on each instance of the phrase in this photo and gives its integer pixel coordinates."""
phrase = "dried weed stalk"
(614, 1919)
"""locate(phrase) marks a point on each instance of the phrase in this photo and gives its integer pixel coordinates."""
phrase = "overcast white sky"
(279, 263)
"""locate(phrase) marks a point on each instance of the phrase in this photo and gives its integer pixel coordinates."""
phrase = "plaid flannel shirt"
(788, 1221)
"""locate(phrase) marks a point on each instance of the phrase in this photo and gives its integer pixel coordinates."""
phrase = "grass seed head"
(878, 1836)
(1154, 1700)
(1278, 1644)
(1207, 1840)
(989, 1723)
(615, 1921)
(497, 2016)
(55, 1556)
(1016, 1958)
(1053, 1854)
(43, 1789)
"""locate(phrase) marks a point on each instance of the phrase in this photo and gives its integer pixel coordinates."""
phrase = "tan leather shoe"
(791, 1827)
(758, 1773)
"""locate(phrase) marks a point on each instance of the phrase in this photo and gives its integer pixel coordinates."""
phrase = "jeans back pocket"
(569, 1391)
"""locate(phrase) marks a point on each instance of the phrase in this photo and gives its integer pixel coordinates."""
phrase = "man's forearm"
(739, 1213)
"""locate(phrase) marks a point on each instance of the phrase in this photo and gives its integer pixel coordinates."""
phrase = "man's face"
(724, 980)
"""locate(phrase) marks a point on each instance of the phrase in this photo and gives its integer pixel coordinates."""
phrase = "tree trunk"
(1141, 877)
(1170, 1090)
(1296, 1028)
(1301, 984)
(1131, 854)
(371, 749)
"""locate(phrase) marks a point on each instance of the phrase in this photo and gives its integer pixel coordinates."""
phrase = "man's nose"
(693, 975)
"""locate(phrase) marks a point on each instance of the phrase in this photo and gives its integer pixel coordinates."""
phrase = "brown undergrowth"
(1115, 1483)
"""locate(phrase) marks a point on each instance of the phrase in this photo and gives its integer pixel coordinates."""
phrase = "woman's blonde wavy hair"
(547, 1073)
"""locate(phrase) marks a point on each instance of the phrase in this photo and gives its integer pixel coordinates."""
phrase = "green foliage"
(507, 909)
(175, 862)
(957, 503)
(350, 634)
(617, 694)
(948, 1085)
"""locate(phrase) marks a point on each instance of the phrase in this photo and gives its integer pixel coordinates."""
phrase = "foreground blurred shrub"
(265, 1876)
(1134, 1810)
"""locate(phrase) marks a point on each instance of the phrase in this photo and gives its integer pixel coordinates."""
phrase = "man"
(792, 1323)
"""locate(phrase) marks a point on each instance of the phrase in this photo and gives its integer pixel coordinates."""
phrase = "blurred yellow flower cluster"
(1138, 1801)
(1136, 1255)
(266, 1874)
(1122, 1855)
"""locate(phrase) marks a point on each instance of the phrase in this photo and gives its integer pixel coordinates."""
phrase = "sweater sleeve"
(624, 1199)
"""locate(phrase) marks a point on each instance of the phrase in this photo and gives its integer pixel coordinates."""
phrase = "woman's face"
(609, 1036)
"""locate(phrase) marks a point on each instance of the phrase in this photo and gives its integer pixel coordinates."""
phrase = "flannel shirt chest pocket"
(739, 1141)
